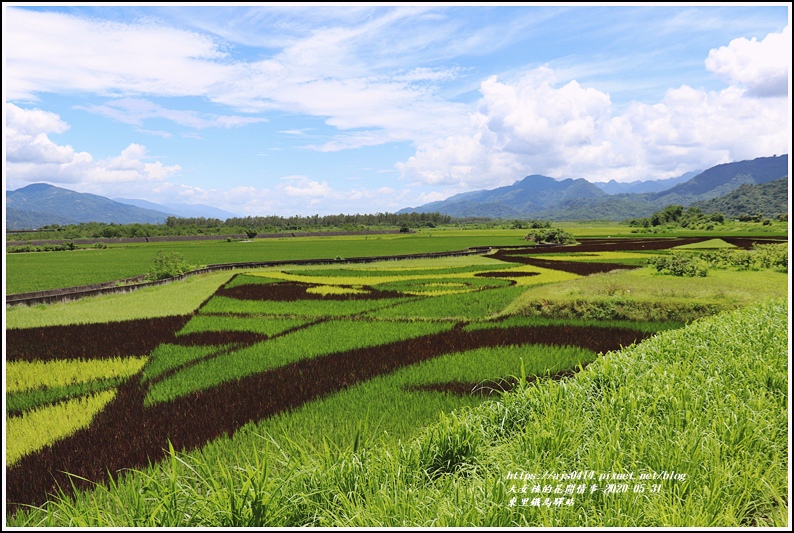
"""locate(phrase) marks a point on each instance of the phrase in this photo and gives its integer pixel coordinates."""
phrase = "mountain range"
(40, 204)
(615, 187)
(181, 210)
(768, 199)
(731, 188)
(542, 197)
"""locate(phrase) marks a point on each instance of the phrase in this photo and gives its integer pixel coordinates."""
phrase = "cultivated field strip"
(91, 341)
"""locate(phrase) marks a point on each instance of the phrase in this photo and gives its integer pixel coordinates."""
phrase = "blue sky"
(320, 109)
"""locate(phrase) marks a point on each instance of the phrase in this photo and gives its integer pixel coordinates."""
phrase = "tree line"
(179, 226)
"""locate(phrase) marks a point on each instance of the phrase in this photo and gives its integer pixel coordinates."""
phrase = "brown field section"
(92, 341)
(290, 291)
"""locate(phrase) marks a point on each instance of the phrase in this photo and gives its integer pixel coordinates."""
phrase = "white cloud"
(47, 52)
(353, 76)
(27, 143)
(534, 125)
(33, 121)
(303, 193)
(137, 110)
(304, 187)
(32, 157)
(761, 66)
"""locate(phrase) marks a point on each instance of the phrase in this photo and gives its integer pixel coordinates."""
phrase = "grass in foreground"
(644, 295)
(707, 402)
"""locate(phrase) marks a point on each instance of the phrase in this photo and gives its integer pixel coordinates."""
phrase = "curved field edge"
(178, 298)
(707, 401)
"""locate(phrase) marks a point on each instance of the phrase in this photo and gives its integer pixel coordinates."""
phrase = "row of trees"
(176, 226)
(316, 221)
(676, 215)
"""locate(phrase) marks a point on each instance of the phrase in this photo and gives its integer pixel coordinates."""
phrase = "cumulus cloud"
(760, 66)
(31, 156)
(33, 121)
(303, 187)
(288, 197)
(534, 124)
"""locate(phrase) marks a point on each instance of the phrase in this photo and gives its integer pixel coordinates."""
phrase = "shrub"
(773, 256)
(21, 249)
(167, 265)
(680, 264)
(555, 236)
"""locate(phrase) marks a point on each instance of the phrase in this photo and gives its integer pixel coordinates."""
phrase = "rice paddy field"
(423, 392)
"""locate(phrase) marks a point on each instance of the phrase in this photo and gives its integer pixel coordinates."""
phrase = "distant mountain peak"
(538, 196)
(41, 204)
(36, 187)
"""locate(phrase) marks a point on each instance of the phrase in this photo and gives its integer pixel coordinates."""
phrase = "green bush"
(21, 249)
(773, 256)
(167, 265)
(555, 236)
(763, 256)
(680, 264)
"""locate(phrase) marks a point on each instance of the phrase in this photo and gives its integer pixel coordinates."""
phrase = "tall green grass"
(642, 295)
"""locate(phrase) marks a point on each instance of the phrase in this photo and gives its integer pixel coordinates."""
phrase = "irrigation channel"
(128, 433)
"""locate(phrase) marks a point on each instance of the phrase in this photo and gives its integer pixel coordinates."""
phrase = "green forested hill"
(769, 199)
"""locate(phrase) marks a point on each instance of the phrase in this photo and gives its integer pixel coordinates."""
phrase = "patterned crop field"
(95, 399)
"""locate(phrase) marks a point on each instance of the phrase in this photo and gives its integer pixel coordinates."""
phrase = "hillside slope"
(53, 204)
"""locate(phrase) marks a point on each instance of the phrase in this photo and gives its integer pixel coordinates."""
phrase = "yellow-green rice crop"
(178, 298)
(38, 428)
(325, 290)
(265, 326)
(466, 306)
(298, 308)
(546, 275)
(597, 256)
(709, 244)
(26, 375)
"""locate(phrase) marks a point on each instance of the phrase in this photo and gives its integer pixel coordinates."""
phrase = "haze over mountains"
(541, 197)
(535, 196)
(614, 187)
(40, 204)
(181, 210)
